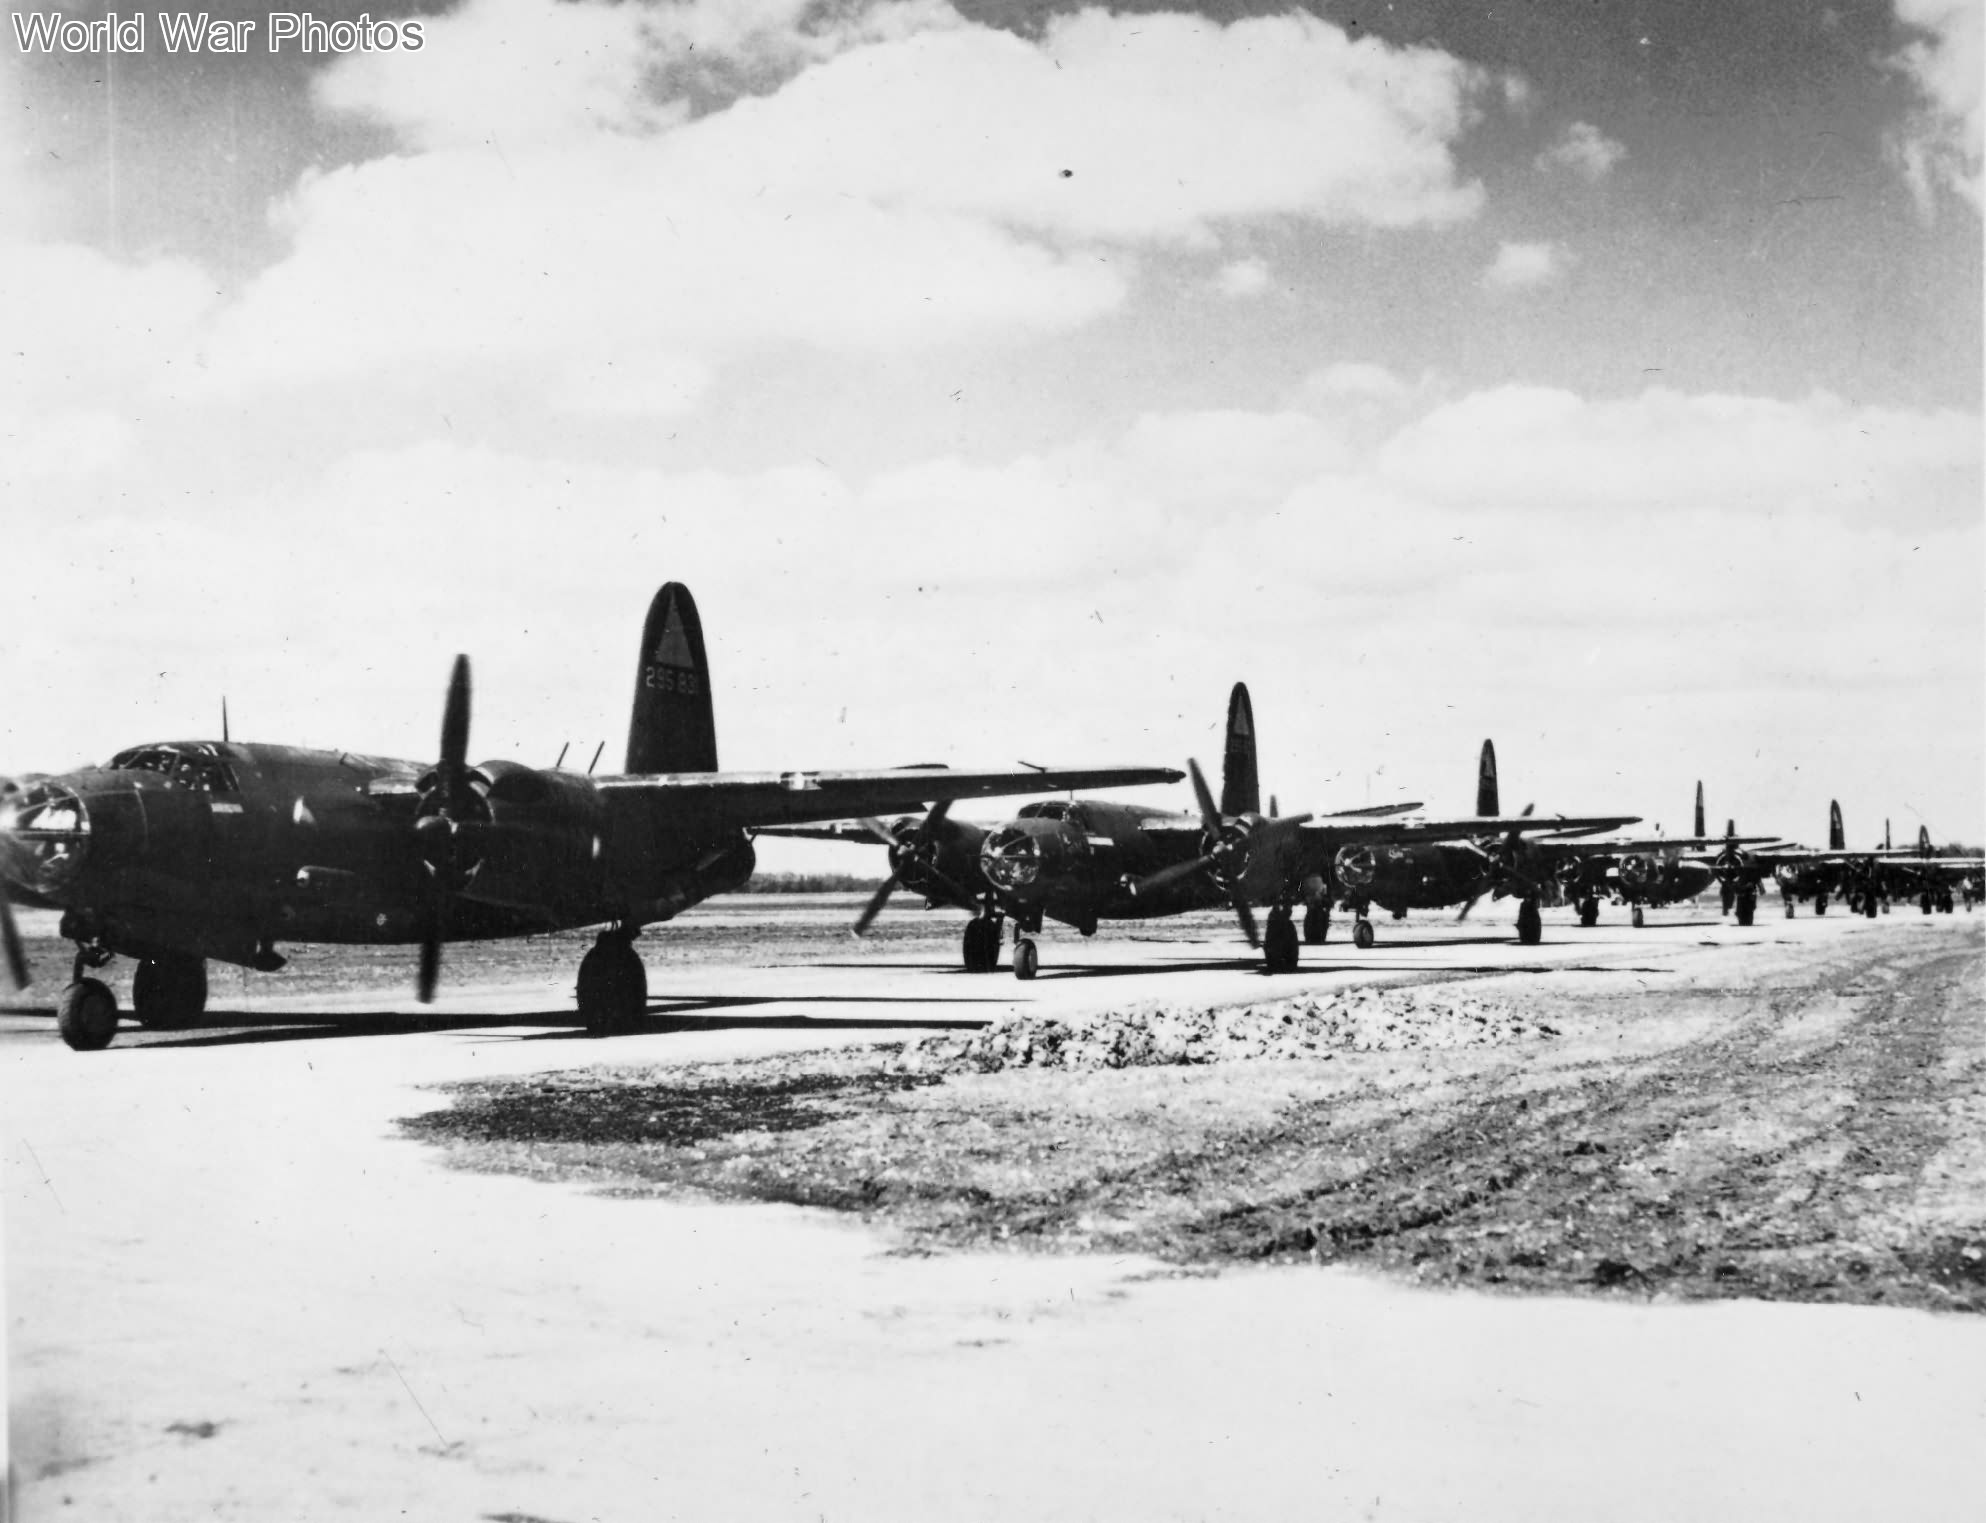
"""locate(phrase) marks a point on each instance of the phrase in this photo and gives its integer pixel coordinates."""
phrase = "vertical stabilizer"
(1923, 840)
(1837, 838)
(1487, 801)
(1241, 788)
(1698, 832)
(1886, 835)
(673, 729)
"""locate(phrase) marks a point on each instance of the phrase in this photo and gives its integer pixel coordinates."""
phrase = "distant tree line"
(810, 883)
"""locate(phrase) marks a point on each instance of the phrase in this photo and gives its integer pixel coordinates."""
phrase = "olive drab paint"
(1241, 788)
(673, 728)
(1698, 832)
(1837, 838)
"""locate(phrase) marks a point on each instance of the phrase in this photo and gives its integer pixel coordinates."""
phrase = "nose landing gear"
(613, 984)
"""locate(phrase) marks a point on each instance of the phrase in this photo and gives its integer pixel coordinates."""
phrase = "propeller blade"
(17, 957)
(1467, 907)
(430, 966)
(879, 830)
(455, 718)
(935, 816)
(875, 905)
(1210, 814)
(1170, 874)
(1246, 916)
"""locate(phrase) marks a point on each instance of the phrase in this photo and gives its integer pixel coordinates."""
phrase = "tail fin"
(1487, 802)
(1837, 838)
(1241, 788)
(1730, 829)
(1923, 840)
(1886, 834)
(673, 729)
(1698, 832)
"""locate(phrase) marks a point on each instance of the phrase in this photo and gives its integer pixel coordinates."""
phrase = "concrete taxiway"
(235, 1291)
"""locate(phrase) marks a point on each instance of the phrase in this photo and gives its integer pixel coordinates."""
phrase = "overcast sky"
(1007, 380)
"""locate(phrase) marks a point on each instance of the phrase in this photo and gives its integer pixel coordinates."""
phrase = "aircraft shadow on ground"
(232, 1028)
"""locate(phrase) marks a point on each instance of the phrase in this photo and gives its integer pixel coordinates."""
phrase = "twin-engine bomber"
(181, 852)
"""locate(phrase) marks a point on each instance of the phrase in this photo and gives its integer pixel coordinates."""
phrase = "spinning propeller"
(913, 861)
(448, 824)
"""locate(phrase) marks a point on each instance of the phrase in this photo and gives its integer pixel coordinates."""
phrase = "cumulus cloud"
(1941, 145)
(1584, 150)
(1244, 277)
(583, 223)
(1521, 266)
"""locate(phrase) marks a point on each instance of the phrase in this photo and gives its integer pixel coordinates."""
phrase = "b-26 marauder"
(176, 853)
(1083, 861)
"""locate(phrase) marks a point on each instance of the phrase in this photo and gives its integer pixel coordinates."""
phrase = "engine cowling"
(1638, 872)
(1355, 866)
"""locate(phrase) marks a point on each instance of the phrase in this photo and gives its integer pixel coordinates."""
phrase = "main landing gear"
(1530, 924)
(1316, 924)
(169, 993)
(982, 943)
(1589, 911)
(613, 984)
(1636, 918)
(1280, 947)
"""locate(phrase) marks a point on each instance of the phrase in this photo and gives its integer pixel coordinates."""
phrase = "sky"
(1007, 380)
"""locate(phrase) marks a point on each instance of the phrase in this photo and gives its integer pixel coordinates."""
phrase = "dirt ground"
(238, 1287)
(1817, 1134)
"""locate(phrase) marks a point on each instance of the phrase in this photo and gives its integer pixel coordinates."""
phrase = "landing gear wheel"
(1820, 904)
(613, 986)
(982, 945)
(1589, 912)
(168, 993)
(1790, 906)
(1316, 925)
(1637, 919)
(1530, 925)
(86, 1015)
(1279, 943)
(1362, 933)
(1924, 903)
(1869, 908)
(1027, 962)
(1747, 908)
(1729, 896)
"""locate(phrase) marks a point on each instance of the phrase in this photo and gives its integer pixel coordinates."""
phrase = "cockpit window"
(198, 767)
(1054, 809)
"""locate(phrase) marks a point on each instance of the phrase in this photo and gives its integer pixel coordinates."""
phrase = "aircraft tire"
(1820, 904)
(86, 1015)
(1027, 961)
(1869, 909)
(613, 986)
(1362, 936)
(1747, 908)
(1729, 897)
(169, 993)
(1316, 925)
(1790, 906)
(1637, 919)
(1530, 925)
(976, 960)
(1924, 902)
(1589, 912)
(1279, 944)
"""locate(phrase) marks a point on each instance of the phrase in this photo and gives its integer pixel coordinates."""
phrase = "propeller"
(913, 860)
(1229, 847)
(451, 814)
(1502, 859)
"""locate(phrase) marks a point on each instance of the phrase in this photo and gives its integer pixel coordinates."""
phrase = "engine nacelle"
(719, 871)
(1638, 872)
(1355, 866)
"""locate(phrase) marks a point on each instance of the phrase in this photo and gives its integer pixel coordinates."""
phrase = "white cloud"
(1585, 150)
(1521, 266)
(573, 222)
(1942, 144)
(1243, 277)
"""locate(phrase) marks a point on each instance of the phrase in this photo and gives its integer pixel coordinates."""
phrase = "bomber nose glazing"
(1011, 857)
(44, 835)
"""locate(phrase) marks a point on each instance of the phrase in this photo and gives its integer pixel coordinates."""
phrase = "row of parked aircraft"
(181, 852)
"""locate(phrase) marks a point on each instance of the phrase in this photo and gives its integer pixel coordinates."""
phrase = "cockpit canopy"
(199, 765)
(1052, 809)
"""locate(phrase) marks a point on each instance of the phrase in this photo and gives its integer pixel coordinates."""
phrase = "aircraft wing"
(1343, 829)
(753, 800)
(831, 830)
